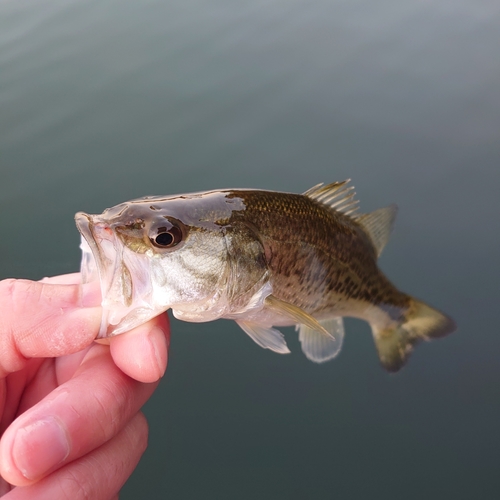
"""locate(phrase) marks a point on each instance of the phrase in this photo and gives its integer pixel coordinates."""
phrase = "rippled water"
(102, 101)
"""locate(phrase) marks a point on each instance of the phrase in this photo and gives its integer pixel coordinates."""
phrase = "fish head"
(156, 253)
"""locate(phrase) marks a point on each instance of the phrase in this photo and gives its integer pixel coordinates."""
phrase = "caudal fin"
(421, 322)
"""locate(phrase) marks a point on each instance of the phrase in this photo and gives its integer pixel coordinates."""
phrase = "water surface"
(103, 101)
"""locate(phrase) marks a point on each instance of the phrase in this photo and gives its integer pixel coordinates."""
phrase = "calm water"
(102, 101)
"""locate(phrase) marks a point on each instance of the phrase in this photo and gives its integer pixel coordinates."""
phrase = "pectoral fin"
(316, 346)
(266, 337)
(296, 314)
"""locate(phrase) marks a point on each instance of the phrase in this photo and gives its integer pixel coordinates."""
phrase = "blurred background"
(105, 100)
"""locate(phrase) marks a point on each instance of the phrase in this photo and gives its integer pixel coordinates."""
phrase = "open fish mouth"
(122, 275)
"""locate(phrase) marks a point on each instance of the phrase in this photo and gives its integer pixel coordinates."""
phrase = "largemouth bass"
(261, 258)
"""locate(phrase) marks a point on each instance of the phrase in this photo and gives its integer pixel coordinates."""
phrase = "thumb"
(42, 320)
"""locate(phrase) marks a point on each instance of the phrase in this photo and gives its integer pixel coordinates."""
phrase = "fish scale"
(337, 245)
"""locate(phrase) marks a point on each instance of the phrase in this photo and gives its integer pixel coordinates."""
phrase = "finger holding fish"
(142, 353)
(84, 394)
(56, 325)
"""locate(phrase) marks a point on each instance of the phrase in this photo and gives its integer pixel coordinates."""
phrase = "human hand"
(69, 407)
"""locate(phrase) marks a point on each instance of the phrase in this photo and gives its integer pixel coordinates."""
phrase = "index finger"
(42, 320)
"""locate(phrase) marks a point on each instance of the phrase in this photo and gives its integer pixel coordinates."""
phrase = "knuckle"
(72, 485)
(112, 404)
(141, 432)
(12, 293)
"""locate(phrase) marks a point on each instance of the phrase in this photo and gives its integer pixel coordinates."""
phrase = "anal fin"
(316, 346)
(266, 337)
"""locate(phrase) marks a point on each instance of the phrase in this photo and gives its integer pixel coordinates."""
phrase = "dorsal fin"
(336, 195)
(378, 225)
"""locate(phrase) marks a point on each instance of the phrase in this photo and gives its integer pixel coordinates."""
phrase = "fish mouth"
(121, 274)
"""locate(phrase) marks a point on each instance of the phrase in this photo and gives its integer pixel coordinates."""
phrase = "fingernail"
(39, 447)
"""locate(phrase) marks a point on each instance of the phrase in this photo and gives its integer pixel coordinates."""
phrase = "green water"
(103, 101)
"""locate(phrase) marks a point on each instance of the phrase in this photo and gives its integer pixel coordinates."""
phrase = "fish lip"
(102, 261)
(95, 261)
(85, 224)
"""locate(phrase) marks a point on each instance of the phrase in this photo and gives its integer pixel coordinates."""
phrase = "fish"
(264, 259)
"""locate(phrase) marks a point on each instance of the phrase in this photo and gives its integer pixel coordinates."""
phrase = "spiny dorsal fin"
(336, 195)
(378, 225)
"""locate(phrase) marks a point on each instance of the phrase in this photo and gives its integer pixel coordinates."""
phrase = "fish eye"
(167, 237)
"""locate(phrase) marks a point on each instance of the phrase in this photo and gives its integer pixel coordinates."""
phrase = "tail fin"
(420, 322)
